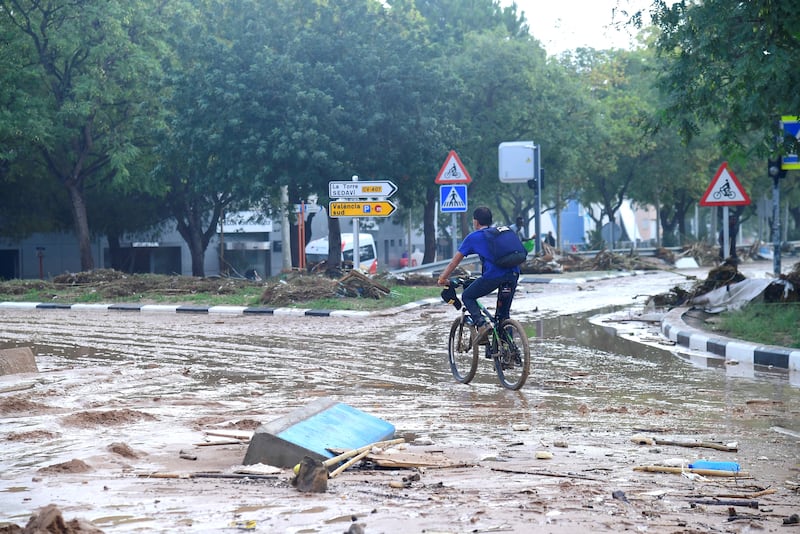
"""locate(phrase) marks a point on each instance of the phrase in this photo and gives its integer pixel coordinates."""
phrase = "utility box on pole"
(520, 162)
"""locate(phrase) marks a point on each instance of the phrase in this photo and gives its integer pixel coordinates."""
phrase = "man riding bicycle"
(492, 276)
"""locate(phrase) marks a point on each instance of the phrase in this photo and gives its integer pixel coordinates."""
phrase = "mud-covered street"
(120, 395)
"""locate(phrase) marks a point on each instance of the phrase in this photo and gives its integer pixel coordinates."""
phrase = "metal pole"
(301, 236)
(726, 237)
(537, 173)
(454, 222)
(356, 255)
(776, 225)
(409, 248)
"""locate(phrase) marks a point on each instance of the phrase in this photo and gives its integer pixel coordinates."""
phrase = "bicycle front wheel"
(463, 360)
(512, 361)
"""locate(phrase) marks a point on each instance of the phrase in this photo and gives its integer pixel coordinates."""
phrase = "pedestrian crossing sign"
(453, 198)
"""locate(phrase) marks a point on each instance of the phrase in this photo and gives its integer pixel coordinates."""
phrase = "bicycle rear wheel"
(463, 360)
(512, 361)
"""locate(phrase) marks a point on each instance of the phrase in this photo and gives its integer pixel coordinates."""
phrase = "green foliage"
(767, 323)
(733, 64)
(80, 96)
(150, 111)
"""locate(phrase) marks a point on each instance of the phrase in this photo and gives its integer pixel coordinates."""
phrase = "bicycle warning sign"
(725, 190)
(453, 171)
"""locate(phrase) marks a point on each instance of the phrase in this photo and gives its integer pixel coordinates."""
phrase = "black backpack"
(505, 247)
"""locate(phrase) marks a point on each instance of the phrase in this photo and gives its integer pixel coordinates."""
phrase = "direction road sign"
(725, 190)
(453, 171)
(375, 189)
(453, 198)
(308, 208)
(379, 208)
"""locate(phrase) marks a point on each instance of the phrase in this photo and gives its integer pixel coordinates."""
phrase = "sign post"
(725, 190)
(453, 179)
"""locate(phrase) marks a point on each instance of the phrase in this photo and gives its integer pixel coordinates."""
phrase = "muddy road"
(121, 395)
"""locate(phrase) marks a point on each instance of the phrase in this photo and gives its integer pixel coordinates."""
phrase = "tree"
(618, 137)
(733, 64)
(85, 69)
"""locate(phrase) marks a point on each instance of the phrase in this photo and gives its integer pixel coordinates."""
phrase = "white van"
(317, 251)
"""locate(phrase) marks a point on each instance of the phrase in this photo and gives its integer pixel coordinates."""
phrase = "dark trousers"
(482, 287)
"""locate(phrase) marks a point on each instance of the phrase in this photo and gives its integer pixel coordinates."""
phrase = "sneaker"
(482, 333)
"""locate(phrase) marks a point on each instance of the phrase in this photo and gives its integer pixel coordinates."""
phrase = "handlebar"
(461, 281)
(449, 294)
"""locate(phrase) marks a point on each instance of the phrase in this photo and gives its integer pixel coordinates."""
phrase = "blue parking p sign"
(453, 198)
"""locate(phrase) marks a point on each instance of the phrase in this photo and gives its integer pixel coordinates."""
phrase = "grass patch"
(765, 323)
(307, 291)
(399, 296)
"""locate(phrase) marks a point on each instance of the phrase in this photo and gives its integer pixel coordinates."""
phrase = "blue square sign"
(453, 198)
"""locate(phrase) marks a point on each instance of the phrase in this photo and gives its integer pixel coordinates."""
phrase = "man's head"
(483, 216)
(520, 222)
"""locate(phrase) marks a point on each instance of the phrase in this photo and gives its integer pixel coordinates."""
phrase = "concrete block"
(19, 360)
(311, 430)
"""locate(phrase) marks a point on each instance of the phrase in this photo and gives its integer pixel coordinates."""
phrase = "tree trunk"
(197, 251)
(115, 251)
(190, 227)
(334, 268)
(293, 244)
(78, 204)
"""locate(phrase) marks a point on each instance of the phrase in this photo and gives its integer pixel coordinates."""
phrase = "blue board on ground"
(312, 430)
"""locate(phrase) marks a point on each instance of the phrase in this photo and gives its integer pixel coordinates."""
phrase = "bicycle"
(505, 343)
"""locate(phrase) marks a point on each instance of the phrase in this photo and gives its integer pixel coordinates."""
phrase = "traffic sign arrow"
(380, 208)
(374, 189)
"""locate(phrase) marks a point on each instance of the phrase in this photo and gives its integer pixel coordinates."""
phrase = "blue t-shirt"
(476, 243)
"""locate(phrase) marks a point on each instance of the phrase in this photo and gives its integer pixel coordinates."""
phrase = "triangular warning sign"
(453, 171)
(725, 190)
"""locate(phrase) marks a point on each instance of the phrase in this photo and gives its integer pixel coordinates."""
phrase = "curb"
(210, 310)
(675, 329)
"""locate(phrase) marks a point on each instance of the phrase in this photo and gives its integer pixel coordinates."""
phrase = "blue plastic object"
(340, 426)
(718, 466)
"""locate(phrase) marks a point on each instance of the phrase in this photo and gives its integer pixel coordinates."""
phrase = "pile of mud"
(49, 519)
